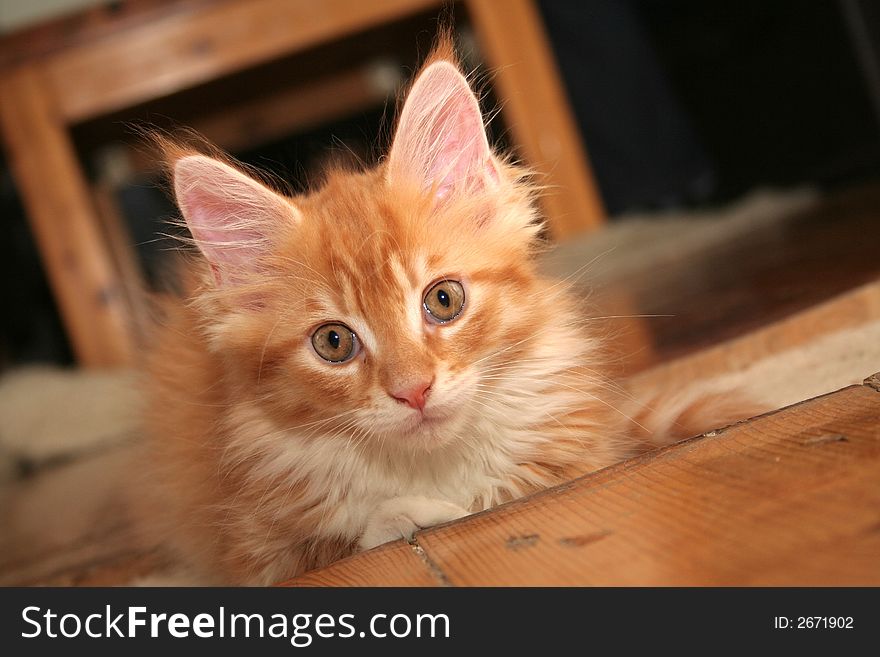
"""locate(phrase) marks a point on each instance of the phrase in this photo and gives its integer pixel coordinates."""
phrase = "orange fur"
(265, 460)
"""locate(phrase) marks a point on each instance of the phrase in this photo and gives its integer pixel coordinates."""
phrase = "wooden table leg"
(64, 221)
(536, 109)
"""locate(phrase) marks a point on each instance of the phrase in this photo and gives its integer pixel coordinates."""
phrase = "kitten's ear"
(232, 217)
(440, 141)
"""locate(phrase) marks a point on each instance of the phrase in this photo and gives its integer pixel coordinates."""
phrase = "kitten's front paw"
(400, 517)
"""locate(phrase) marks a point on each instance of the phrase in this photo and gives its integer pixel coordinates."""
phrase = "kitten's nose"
(413, 395)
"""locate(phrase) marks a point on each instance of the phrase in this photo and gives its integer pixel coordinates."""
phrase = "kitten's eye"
(444, 301)
(335, 342)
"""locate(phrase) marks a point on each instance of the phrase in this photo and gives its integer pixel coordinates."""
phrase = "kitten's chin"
(430, 430)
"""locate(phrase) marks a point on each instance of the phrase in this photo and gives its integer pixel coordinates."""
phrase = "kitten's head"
(386, 304)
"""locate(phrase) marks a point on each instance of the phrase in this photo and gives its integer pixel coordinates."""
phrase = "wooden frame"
(163, 47)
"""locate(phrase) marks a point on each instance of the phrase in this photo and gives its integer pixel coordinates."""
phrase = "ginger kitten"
(374, 357)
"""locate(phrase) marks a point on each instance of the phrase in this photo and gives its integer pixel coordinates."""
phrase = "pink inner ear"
(220, 226)
(231, 217)
(441, 137)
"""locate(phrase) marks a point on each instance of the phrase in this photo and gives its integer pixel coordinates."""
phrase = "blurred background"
(680, 104)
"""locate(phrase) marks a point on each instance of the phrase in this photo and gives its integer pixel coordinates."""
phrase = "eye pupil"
(335, 343)
(443, 301)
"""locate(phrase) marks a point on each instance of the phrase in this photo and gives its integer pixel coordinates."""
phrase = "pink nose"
(413, 395)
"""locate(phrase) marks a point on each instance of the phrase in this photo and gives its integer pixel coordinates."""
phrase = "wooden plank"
(63, 219)
(536, 110)
(83, 25)
(177, 52)
(392, 564)
(789, 498)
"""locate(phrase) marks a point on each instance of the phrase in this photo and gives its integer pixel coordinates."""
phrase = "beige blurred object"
(634, 243)
(48, 413)
(16, 14)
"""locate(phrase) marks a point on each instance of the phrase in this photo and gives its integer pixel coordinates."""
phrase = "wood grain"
(62, 218)
(790, 498)
(85, 25)
(392, 564)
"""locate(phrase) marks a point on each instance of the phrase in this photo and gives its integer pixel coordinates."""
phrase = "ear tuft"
(440, 141)
(232, 217)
